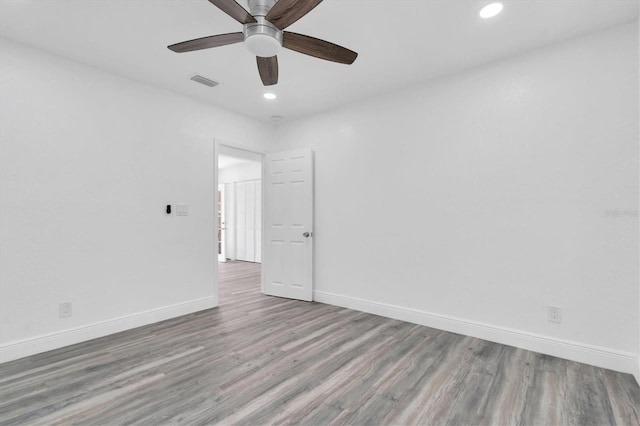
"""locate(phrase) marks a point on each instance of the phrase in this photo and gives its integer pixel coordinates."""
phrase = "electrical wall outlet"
(65, 309)
(555, 314)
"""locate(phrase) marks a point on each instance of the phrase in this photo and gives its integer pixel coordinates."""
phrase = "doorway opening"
(239, 222)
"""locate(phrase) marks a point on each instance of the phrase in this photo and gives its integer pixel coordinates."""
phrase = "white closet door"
(248, 201)
(250, 220)
(230, 216)
(241, 221)
(258, 221)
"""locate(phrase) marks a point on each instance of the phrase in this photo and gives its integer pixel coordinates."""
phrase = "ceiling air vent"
(203, 80)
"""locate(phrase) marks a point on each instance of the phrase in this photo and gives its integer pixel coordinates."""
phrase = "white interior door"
(288, 233)
(230, 220)
(241, 221)
(250, 217)
(248, 221)
(258, 222)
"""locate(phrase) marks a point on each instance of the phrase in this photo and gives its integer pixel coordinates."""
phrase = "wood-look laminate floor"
(263, 360)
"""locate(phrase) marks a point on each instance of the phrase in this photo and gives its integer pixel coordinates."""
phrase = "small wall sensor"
(168, 209)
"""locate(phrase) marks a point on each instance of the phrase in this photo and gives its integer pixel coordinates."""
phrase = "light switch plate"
(182, 210)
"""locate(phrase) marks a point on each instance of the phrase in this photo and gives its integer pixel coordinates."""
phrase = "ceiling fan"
(263, 34)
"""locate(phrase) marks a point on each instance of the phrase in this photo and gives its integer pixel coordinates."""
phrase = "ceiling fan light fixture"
(262, 45)
(269, 96)
(262, 38)
(490, 10)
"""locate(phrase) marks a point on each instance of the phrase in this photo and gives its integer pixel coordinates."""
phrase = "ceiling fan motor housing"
(262, 38)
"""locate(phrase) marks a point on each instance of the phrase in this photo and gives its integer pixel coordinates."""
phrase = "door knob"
(306, 234)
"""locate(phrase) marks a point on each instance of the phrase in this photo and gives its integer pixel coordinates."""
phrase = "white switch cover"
(182, 210)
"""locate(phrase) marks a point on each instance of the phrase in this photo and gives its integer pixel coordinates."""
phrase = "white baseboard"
(625, 362)
(31, 346)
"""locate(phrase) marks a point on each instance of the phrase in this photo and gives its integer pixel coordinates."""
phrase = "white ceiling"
(400, 43)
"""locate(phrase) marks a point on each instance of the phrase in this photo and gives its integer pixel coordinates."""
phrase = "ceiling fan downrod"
(260, 7)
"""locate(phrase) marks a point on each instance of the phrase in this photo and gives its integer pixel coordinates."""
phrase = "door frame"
(222, 145)
(222, 232)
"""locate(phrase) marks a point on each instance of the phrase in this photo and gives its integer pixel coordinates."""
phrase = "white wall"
(473, 202)
(88, 162)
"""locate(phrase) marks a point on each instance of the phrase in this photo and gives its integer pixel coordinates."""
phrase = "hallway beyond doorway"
(239, 282)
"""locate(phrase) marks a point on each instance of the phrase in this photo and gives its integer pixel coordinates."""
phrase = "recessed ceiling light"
(490, 10)
(270, 96)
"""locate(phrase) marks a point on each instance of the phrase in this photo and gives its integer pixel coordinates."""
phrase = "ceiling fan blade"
(286, 12)
(233, 9)
(268, 69)
(207, 42)
(319, 48)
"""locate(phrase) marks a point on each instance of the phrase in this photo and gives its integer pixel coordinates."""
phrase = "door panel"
(241, 221)
(248, 221)
(287, 259)
(250, 217)
(258, 222)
